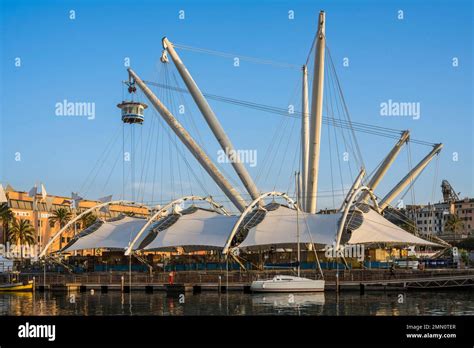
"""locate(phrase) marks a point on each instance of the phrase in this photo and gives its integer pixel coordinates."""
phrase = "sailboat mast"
(297, 180)
(316, 117)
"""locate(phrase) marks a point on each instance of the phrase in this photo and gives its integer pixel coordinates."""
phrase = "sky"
(77, 51)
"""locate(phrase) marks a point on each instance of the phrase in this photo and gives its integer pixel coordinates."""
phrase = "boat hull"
(292, 285)
(16, 287)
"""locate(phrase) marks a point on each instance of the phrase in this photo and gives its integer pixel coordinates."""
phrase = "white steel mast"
(387, 162)
(191, 144)
(212, 121)
(316, 117)
(304, 138)
(409, 177)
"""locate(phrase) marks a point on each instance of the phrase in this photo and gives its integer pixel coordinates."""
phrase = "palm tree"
(453, 224)
(61, 216)
(6, 215)
(22, 233)
(87, 220)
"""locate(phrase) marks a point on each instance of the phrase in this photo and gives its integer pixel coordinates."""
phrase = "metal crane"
(449, 195)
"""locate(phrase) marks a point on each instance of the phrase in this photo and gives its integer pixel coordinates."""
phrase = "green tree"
(22, 233)
(6, 215)
(453, 224)
(61, 216)
(87, 220)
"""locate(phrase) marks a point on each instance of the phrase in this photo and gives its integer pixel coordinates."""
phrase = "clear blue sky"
(407, 60)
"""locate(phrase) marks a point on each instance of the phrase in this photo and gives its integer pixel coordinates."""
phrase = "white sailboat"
(286, 283)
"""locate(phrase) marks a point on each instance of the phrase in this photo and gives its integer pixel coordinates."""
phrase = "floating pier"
(197, 283)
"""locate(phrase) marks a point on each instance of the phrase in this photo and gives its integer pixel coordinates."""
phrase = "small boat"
(21, 286)
(284, 283)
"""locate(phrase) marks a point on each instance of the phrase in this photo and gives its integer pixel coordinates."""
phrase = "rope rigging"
(241, 57)
(337, 116)
(356, 126)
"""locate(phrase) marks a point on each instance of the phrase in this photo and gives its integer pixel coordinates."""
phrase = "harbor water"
(459, 302)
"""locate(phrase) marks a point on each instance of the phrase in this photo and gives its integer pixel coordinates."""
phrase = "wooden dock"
(146, 287)
(196, 282)
(466, 281)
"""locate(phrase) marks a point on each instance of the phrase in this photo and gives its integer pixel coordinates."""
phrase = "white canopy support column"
(304, 138)
(387, 162)
(316, 117)
(347, 208)
(354, 187)
(77, 218)
(158, 214)
(249, 209)
(412, 175)
(192, 145)
(212, 121)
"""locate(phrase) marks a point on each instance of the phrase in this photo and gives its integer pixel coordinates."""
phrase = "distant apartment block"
(431, 218)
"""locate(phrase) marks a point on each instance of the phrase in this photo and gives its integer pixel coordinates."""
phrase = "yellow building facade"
(23, 207)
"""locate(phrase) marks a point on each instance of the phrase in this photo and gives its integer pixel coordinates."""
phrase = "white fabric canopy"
(200, 230)
(114, 234)
(376, 229)
(280, 227)
(205, 229)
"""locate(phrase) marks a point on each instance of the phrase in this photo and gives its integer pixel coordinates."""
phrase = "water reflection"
(290, 303)
(211, 303)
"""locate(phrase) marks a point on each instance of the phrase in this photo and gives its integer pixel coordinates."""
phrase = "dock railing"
(237, 277)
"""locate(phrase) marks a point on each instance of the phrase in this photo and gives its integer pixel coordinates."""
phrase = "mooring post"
(44, 275)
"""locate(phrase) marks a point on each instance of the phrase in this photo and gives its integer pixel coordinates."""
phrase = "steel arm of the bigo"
(410, 177)
(186, 138)
(211, 120)
(386, 164)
